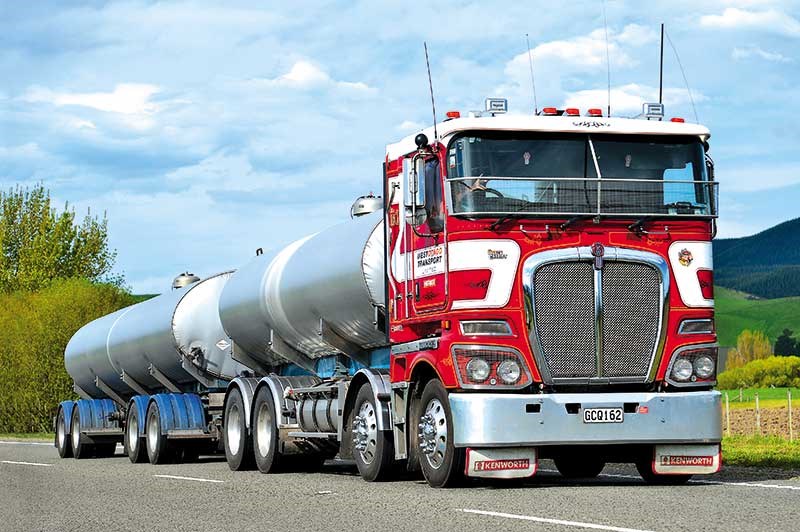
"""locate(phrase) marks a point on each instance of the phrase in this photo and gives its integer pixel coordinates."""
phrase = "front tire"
(645, 469)
(442, 463)
(265, 432)
(158, 450)
(80, 450)
(576, 466)
(373, 449)
(134, 445)
(238, 447)
(63, 436)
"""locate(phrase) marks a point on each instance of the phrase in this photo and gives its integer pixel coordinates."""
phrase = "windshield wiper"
(503, 219)
(575, 219)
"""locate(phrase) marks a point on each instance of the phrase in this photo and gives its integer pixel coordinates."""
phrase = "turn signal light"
(453, 114)
(677, 119)
(706, 280)
(595, 112)
(549, 111)
(572, 111)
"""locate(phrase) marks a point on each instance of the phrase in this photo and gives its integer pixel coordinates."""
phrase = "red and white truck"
(527, 287)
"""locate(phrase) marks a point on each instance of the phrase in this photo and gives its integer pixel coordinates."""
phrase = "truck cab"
(550, 294)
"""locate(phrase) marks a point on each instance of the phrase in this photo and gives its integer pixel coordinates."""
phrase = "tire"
(238, 446)
(105, 450)
(373, 449)
(645, 469)
(441, 462)
(135, 447)
(158, 447)
(62, 439)
(265, 433)
(80, 450)
(577, 466)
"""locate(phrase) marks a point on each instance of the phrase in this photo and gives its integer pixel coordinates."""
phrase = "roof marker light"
(453, 114)
(677, 119)
(572, 111)
(549, 111)
(594, 112)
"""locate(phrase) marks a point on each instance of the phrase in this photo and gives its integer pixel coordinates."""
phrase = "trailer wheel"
(238, 447)
(62, 436)
(442, 462)
(373, 449)
(265, 432)
(80, 449)
(158, 450)
(577, 466)
(645, 469)
(134, 445)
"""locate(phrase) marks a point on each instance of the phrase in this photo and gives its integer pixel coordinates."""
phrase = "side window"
(433, 196)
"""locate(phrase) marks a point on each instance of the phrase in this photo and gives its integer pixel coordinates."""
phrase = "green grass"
(735, 313)
(27, 436)
(761, 451)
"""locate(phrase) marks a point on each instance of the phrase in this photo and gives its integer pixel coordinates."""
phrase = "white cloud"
(411, 125)
(753, 177)
(771, 20)
(126, 98)
(628, 99)
(306, 75)
(229, 172)
(589, 51)
(755, 52)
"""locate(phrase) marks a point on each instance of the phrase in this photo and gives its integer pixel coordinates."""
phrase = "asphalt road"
(39, 491)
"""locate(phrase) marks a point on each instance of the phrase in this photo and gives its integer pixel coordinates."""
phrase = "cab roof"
(554, 124)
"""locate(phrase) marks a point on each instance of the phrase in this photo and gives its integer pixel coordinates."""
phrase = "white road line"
(24, 463)
(576, 524)
(174, 477)
(698, 481)
(25, 443)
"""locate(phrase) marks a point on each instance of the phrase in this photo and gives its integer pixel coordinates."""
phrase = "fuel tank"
(172, 331)
(334, 278)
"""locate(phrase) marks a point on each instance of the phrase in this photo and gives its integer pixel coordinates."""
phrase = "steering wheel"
(493, 191)
(483, 189)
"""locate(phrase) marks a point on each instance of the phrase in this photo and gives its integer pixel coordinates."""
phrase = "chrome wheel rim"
(433, 433)
(61, 433)
(365, 432)
(132, 432)
(152, 434)
(264, 429)
(233, 430)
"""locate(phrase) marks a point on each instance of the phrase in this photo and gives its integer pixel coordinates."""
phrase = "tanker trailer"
(150, 375)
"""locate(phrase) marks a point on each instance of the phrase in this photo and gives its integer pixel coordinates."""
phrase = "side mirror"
(414, 176)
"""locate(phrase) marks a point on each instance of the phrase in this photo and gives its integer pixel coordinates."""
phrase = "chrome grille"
(565, 317)
(631, 289)
(632, 307)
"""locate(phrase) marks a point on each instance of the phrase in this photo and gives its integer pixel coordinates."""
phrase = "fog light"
(478, 369)
(704, 367)
(509, 371)
(682, 370)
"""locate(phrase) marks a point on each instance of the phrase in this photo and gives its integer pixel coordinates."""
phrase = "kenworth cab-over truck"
(526, 287)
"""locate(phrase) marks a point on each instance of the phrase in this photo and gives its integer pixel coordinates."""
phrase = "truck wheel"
(158, 450)
(80, 449)
(373, 449)
(62, 436)
(265, 432)
(442, 463)
(576, 466)
(134, 445)
(238, 447)
(645, 469)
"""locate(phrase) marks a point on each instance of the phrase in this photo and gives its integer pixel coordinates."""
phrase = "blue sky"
(206, 132)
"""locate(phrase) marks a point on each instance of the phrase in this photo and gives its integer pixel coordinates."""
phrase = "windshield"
(537, 174)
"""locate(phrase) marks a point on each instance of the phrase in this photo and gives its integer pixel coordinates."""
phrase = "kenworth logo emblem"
(598, 251)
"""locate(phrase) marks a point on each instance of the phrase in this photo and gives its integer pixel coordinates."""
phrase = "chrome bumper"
(512, 420)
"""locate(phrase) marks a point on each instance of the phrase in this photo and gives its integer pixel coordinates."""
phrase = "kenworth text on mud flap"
(526, 287)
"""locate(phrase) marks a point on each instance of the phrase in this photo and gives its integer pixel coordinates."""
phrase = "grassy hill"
(766, 264)
(736, 312)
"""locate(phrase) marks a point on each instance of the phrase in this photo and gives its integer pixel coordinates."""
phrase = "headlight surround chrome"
(494, 356)
(693, 365)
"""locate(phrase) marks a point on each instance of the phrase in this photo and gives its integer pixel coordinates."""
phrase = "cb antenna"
(608, 57)
(533, 83)
(661, 68)
(685, 81)
(430, 85)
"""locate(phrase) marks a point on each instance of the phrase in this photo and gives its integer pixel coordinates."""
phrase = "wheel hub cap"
(365, 432)
(433, 433)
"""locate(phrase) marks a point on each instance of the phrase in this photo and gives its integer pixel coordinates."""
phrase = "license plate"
(602, 415)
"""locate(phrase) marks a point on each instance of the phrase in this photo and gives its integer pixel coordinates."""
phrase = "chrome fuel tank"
(170, 331)
(336, 275)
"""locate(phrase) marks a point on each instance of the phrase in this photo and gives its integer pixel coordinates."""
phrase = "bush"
(779, 372)
(34, 331)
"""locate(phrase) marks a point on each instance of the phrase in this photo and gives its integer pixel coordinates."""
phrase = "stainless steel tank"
(176, 328)
(336, 275)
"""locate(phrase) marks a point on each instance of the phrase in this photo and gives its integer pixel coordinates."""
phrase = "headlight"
(485, 328)
(509, 371)
(478, 369)
(682, 370)
(704, 367)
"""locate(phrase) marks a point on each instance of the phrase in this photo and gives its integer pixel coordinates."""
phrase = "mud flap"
(520, 462)
(686, 459)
